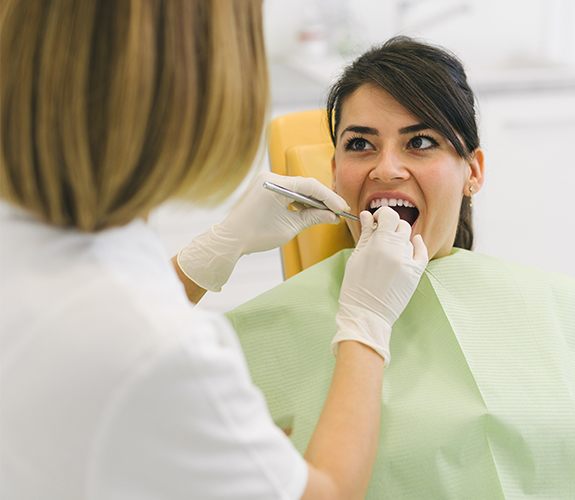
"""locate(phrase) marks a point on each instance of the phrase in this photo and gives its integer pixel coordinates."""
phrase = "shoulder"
(479, 266)
(471, 284)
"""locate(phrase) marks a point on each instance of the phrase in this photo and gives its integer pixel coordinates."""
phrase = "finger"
(419, 250)
(314, 188)
(387, 219)
(310, 187)
(280, 180)
(403, 228)
(367, 227)
(311, 216)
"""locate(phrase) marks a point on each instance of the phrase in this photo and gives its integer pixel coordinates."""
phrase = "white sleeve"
(189, 424)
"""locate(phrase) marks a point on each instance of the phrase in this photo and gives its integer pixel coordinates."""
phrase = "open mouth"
(405, 209)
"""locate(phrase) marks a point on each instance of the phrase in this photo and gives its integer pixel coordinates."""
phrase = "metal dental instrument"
(305, 200)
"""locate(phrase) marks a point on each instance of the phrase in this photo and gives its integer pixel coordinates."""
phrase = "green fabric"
(479, 399)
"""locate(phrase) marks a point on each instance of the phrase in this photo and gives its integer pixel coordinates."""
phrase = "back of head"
(110, 107)
(429, 82)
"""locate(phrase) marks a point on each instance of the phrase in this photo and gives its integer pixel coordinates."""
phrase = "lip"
(389, 195)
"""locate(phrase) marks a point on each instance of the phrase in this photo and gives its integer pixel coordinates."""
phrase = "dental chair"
(299, 145)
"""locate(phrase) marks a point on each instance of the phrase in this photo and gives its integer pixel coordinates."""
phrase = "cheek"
(442, 191)
(442, 184)
(442, 188)
(347, 184)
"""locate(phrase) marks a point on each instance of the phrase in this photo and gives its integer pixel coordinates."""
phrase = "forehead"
(371, 103)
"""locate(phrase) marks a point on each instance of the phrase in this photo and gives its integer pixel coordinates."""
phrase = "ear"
(333, 174)
(476, 172)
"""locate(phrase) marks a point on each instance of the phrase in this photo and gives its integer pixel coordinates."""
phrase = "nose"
(389, 167)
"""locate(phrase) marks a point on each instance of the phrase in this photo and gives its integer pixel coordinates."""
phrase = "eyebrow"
(414, 128)
(360, 129)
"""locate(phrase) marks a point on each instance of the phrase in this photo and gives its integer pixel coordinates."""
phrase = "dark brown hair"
(110, 107)
(428, 81)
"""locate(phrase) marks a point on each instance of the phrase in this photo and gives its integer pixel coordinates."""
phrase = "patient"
(479, 398)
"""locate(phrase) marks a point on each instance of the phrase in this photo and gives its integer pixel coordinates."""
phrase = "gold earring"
(470, 195)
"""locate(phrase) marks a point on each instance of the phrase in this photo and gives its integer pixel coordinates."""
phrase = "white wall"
(524, 213)
(520, 56)
(484, 32)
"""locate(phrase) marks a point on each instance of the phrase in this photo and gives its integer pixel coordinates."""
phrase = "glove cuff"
(366, 327)
(209, 259)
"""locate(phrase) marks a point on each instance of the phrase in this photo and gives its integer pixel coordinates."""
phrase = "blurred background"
(520, 60)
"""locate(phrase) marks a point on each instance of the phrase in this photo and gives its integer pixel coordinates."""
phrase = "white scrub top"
(112, 386)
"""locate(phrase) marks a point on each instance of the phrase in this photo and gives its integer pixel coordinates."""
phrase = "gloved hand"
(380, 277)
(260, 221)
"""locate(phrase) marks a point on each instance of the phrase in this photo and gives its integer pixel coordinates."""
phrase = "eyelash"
(352, 140)
(434, 143)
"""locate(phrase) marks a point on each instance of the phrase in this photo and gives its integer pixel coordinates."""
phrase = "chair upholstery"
(299, 145)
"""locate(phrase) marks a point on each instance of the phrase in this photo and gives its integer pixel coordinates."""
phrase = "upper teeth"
(390, 202)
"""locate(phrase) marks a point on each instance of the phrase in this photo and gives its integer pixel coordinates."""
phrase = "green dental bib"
(479, 399)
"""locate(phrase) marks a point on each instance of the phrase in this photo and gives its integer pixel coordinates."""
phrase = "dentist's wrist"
(364, 326)
(210, 258)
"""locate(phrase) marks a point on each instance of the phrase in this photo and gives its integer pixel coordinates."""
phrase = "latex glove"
(380, 277)
(260, 221)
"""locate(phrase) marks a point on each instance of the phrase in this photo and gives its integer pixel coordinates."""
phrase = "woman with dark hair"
(478, 399)
(402, 116)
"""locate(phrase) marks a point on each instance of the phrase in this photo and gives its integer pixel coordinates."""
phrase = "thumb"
(367, 228)
(419, 250)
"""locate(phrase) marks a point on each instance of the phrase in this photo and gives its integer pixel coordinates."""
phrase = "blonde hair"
(110, 107)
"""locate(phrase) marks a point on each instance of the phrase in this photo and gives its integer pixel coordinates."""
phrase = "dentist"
(112, 386)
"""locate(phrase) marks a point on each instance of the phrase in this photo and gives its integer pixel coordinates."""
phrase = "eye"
(358, 144)
(422, 142)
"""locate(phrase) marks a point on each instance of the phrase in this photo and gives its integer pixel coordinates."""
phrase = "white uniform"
(113, 387)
